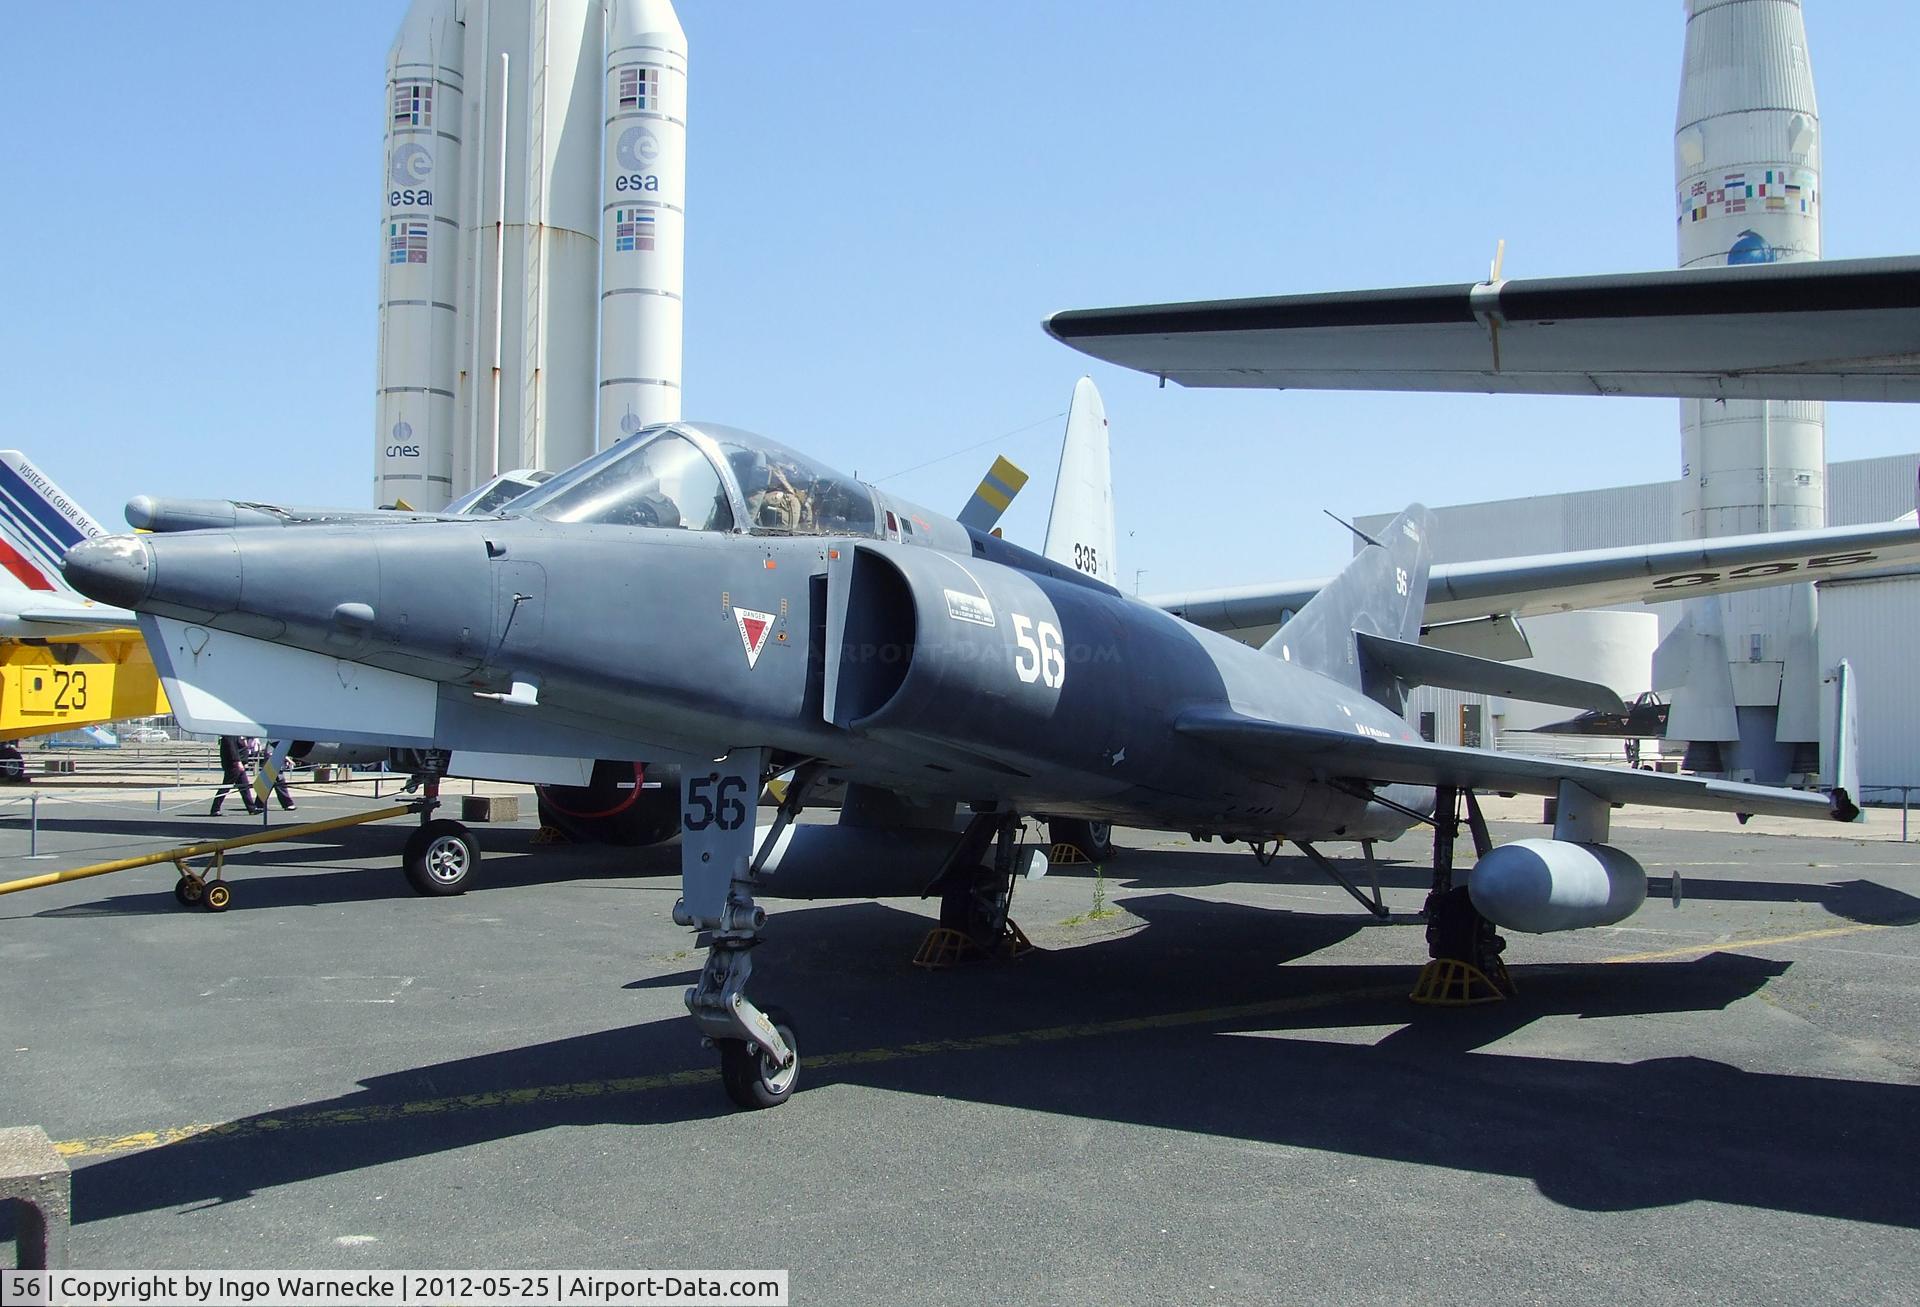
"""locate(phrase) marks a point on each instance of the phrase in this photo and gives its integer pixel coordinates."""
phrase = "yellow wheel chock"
(1066, 855)
(944, 947)
(1449, 982)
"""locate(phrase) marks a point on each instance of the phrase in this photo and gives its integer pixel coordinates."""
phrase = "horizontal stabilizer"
(1278, 748)
(1844, 329)
(1419, 664)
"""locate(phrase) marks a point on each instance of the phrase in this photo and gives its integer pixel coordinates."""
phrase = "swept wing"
(1278, 748)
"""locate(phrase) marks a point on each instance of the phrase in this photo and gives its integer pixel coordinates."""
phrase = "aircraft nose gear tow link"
(759, 1055)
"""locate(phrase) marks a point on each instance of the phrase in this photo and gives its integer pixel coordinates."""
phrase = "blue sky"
(884, 202)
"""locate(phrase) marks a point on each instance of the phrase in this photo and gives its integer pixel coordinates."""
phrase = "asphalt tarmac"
(1218, 1093)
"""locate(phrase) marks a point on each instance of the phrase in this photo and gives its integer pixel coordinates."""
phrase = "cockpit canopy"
(703, 477)
(493, 496)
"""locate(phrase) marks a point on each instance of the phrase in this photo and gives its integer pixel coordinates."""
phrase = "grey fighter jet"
(703, 597)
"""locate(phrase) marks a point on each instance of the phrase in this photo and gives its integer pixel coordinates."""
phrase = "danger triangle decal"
(754, 629)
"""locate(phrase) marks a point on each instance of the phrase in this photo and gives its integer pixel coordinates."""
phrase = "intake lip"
(115, 570)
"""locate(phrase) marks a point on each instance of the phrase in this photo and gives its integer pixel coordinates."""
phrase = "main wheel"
(217, 897)
(751, 1078)
(440, 858)
(187, 890)
(1092, 838)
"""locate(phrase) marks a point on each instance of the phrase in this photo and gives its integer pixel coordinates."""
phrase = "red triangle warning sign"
(754, 628)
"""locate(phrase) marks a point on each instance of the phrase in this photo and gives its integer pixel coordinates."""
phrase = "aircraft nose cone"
(116, 570)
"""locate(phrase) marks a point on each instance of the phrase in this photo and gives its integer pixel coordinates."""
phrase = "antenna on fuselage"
(1350, 526)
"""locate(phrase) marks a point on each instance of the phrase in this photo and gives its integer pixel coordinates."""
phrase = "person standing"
(235, 755)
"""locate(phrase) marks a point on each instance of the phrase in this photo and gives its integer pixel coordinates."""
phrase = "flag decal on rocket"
(753, 631)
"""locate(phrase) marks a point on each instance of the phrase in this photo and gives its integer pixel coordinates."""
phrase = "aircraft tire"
(1093, 838)
(440, 858)
(751, 1082)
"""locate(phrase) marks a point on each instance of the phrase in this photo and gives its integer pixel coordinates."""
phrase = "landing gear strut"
(1464, 949)
(976, 897)
(759, 1054)
(441, 857)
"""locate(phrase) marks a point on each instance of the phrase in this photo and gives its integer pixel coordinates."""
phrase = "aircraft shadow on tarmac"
(1309, 1069)
(509, 861)
(1858, 900)
(310, 873)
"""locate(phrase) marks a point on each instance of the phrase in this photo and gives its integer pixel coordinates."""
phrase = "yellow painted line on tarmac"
(385, 1113)
(1732, 945)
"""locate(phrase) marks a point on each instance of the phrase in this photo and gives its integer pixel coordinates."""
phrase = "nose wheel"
(440, 858)
(753, 1078)
(759, 1058)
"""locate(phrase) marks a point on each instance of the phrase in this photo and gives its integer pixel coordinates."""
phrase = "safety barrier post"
(33, 828)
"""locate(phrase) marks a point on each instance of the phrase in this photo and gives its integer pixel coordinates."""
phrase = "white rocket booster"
(532, 223)
(1747, 175)
(643, 237)
(414, 422)
(515, 179)
(1747, 169)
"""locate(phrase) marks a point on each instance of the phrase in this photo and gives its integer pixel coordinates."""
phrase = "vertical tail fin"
(1080, 531)
(1844, 766)
(1383, 591)
(38, 524)
(997, 488)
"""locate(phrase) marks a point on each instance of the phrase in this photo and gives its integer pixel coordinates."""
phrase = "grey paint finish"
(952, 675)
(1839, 330)
(1591, 578)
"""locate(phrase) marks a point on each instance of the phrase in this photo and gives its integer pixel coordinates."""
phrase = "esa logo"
(409, 171)
(637, 150)
(402, 438)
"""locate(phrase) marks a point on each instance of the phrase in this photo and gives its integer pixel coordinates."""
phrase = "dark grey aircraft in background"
(703, 597)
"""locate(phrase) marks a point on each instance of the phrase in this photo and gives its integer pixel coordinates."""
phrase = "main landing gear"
(1464, 949)
(976, 897)
(441, 857)
(759, 1053)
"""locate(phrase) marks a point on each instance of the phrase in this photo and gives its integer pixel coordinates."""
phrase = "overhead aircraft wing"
(1589, 578)
(1847, 329)
(1335, 755)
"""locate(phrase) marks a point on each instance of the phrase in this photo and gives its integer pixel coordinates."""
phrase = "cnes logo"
(403, 446)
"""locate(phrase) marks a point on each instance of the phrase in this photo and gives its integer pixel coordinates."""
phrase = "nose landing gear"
(759, 1054)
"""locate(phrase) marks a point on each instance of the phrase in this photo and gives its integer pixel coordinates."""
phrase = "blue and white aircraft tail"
(38, 524)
